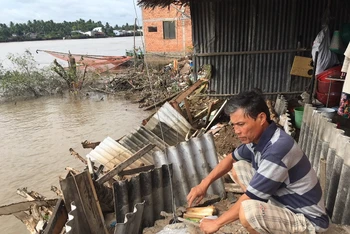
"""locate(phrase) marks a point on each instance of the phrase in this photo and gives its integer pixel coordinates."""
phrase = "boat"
(95, 63)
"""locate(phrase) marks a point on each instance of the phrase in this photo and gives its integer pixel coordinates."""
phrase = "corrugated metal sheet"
(132, 222)
(281, 105)
(322, 140)
(111, 153)
(169, 124)
(138, 139)
(73, 225)
(183, 166)
(153, 188)
(192, 161)
(255, 25)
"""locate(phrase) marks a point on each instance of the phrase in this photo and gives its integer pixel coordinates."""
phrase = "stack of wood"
(198, 213)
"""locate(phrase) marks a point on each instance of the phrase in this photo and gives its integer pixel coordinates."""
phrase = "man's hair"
(251, 102)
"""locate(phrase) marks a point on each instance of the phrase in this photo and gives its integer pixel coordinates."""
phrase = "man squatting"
(281, 191)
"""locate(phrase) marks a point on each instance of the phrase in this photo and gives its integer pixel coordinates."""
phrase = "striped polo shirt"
(284, 173)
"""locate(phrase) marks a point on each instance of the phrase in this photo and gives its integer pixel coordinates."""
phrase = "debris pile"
(152, 86)
(130, 184)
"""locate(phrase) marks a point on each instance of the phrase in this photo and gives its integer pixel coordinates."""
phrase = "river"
(36, 134)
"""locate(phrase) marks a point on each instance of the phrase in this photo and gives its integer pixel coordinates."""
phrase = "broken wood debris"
(89, 191)
(124, 164)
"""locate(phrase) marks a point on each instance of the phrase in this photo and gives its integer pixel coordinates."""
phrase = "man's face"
(246, 128)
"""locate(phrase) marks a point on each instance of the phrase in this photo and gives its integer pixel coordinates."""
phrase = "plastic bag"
(326, 58)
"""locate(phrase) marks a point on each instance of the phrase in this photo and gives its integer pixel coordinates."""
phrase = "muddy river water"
(35, 135)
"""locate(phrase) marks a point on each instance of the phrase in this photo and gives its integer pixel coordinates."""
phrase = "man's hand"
(209, 226)
(196, 194)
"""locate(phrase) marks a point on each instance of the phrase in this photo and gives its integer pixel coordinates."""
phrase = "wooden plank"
(187, 92)
(58, 219)
(136, 170)
(70, 192)
(210, 107)
(125, 164)
(188, 111)
(77, 156)
(160, 102)
(91, 205)
(24, 206)
(88, 218)
(176, 106)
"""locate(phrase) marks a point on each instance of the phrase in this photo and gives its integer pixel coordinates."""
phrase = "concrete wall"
(154, 41)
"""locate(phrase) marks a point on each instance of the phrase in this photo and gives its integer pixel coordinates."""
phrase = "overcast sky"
(111, 11)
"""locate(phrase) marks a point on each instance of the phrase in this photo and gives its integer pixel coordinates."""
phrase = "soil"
(226, 140)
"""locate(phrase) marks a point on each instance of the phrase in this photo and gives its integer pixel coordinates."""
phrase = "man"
(281, 190)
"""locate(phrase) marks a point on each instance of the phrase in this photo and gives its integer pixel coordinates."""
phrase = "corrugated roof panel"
(192, 161)
(169, 124)
(132, 222)
(111, 153)
(138, 139)
(321, 139)
(153, 188)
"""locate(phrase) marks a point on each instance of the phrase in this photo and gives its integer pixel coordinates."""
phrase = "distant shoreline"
(60, 39)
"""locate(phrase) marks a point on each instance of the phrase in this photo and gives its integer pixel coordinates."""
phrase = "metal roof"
(252, 44)
(169, 124)
(153, 188)
(132, 222)
(139, 138)
(111, 153)
(192, 161)
(183, 166)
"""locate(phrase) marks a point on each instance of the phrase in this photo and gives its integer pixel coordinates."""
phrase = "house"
(251, 43)
(167, 30)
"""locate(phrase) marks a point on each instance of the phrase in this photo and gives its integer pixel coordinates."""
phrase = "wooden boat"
(96, 63)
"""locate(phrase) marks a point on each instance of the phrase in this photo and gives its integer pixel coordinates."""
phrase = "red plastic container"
(333, 100)
(331, 72)
(335, 86)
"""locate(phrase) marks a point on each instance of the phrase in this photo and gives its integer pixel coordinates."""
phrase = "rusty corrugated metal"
(169, 124)
(73, 225)
(132, 222)
(182, 166)
(138, 139)
(192, 161)
(153, 188)
(255, 25)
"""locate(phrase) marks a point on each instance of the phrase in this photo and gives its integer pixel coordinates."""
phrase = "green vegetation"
(47, 30)
(26, 79)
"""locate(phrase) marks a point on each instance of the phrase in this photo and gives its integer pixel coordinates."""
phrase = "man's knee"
(234, 175)
(244, 221)
(237, 180)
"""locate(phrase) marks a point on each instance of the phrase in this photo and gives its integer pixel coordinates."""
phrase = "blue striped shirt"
(284, 173)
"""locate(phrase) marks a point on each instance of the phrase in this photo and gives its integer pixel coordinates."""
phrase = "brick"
(154, 41)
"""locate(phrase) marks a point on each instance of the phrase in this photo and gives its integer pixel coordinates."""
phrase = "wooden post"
(135, 55)
(58, 219)
(188, 111)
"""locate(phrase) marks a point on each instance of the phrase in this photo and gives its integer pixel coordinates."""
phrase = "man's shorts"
(269, 217)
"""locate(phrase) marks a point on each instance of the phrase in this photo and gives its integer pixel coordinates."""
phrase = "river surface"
(36, 134)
